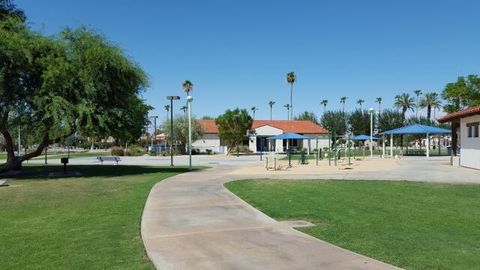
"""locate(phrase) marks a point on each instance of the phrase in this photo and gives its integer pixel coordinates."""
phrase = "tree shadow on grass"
(43, 172)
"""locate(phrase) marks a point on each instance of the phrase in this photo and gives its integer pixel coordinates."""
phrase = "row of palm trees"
(404, 102)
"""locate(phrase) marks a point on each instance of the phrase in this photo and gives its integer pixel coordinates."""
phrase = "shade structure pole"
(428, 145)
(391, 145)
(383, 146)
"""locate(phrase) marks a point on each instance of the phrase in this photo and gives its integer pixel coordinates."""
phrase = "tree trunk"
(15, 163)
(429, 111)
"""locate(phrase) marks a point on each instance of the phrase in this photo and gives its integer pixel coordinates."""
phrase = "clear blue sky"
(237, 52)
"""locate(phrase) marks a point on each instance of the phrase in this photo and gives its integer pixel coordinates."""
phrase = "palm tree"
(404, 102)
(187, 87)
(430, 101)
(254, 109)
(342, 101)
(167, 108)
(324, 103)
(271, 103)
(379, 101)
(360, 102)
(184, 109)
(418, 93)
(291, 78)
(288, 110)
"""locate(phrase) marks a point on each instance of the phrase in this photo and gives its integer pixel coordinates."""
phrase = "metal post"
(171, 98)
(318, 151)
(371, 132)
(391, 145)
(428, 145)
(171, 132)
(155, 133)
(19, 142)
(189, 104)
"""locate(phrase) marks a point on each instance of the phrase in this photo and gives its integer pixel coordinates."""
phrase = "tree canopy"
(74, 82)
(306, 115)
(360, 122)
(390, 119)
(233, 127)
(465, 92)
(180, 130)
(334, 121)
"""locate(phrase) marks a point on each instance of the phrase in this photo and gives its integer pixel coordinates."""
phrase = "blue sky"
(237, 52)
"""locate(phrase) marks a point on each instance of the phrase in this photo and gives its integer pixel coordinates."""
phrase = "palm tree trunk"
(429, 111)
(291, 100)
(270, 112)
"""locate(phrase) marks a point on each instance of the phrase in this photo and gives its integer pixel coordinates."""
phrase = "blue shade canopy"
(362, 138)
(288, 136)
(416, 129)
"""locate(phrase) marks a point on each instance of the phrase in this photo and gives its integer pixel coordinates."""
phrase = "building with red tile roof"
(465, 125)
(267, 128)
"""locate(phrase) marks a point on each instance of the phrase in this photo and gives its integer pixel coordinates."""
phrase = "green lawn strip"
(89, 222)
(409, 224)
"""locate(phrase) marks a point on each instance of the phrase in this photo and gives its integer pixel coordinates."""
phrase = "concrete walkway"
(191, 221)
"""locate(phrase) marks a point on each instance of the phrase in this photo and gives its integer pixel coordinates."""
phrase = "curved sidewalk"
(191, 221)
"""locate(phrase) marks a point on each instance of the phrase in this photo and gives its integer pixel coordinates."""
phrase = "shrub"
(117, 151)
(239, 149)
(136, 150)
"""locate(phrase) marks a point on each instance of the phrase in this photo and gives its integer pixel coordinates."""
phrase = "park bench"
(115, 159)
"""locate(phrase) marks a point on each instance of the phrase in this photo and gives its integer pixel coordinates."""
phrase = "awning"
(362, 138)
(416, 129)
(288, 136)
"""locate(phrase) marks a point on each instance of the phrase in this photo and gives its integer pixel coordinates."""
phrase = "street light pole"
(171, 98)
(371, 131)
(189, 104)
(154, 133)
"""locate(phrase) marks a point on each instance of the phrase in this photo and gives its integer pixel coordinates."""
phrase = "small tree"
(306, 115)
(360, 122)
(233, 127)
(390, 119)
(180, 131)
(334, 121)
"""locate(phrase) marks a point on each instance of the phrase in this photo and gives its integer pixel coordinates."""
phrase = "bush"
(135, 151)
(240, 149)
(117, 151)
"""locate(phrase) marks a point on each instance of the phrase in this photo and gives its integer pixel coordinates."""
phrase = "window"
(473, 130)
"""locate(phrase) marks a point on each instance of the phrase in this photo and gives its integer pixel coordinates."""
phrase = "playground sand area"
(324, 166)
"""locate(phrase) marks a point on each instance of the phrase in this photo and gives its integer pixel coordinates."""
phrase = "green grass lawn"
(53, 155)
(409, 224)
(89, 222)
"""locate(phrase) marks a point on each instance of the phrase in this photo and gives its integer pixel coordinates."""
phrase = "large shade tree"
(75, 82)
(465, 92)
(234, 126)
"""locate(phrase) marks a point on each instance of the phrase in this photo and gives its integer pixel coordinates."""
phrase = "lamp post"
(371, 111)
(171, 98)
(189, 104)
(154, 133)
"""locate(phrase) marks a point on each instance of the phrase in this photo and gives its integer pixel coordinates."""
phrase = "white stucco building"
(465, 134)
(262, 130)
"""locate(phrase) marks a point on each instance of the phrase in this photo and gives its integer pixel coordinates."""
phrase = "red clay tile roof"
(295, 126)
(460, 114)
(208, 126)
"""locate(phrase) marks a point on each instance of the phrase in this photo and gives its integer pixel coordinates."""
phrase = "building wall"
(266, 131)
(209, 141)
(470, 147)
